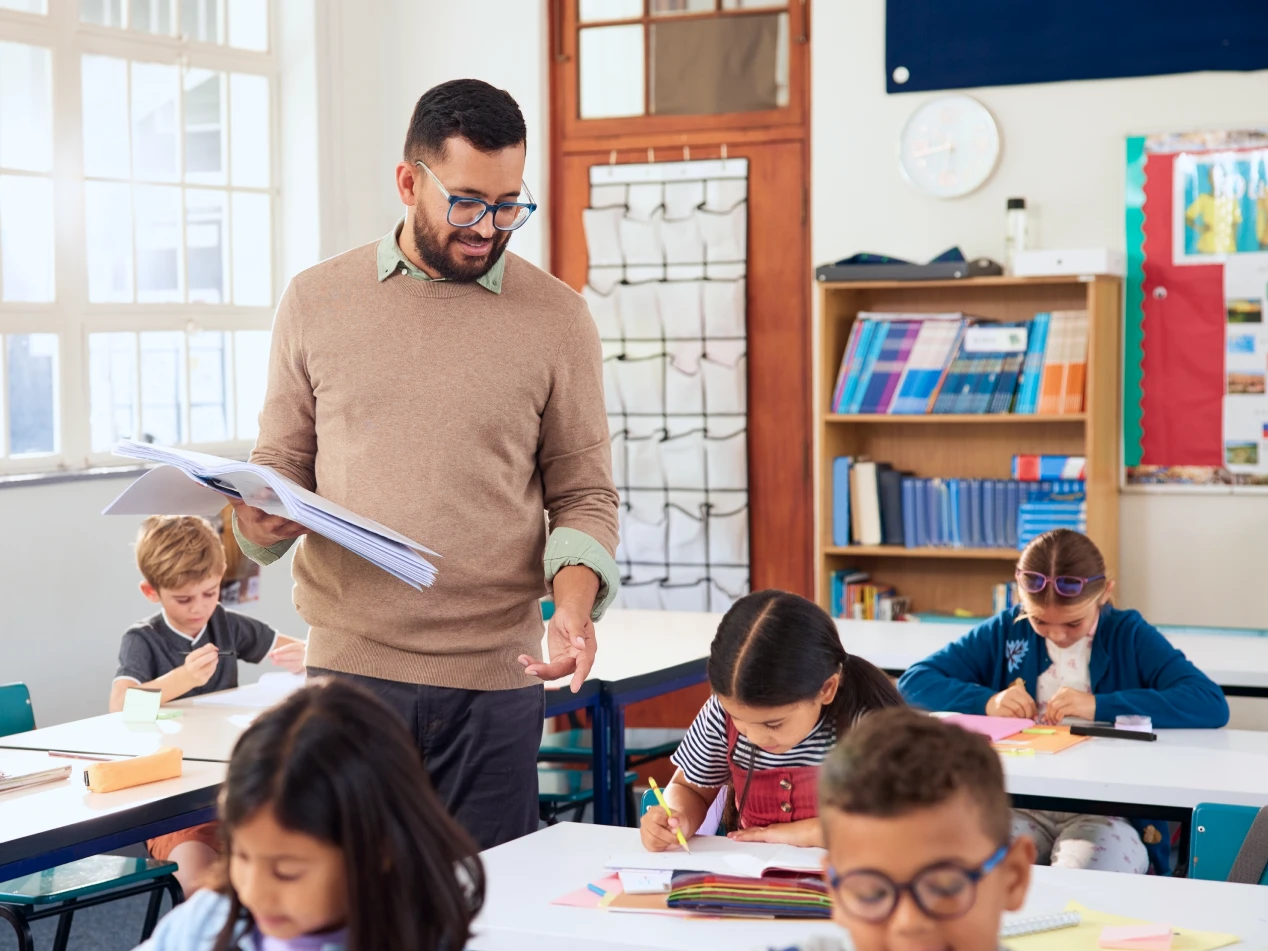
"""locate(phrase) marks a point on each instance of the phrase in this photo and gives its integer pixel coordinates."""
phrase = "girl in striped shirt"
(784, 689)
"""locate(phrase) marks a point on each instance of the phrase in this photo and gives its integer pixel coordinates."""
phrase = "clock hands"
(944, 147)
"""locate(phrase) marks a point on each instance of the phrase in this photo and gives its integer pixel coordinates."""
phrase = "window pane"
(111, 388)
(26, 6)
(104, 12)
(207, 245)
(154, 137)
(26, 237)
(249, 96)
(717, 65)
(202, 20)
(251, 371)
(249, 24)
(670, 7)
(152, 16)
(208, 369)
(252, 250)
(108, 240)
(26, 108)
(163, 386)
(611, 72)
(591, 11)
(205, 127)
(32, 392)
(158, 243)
(105, 91)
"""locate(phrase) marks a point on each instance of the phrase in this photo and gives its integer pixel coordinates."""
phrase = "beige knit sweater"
(453, 415)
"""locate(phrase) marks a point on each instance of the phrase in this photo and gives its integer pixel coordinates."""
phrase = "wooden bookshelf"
(966, 446)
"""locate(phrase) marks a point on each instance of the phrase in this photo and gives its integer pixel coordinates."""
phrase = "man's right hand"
(263, 529)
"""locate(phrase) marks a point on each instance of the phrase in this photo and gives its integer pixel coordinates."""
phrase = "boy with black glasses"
(917, 825)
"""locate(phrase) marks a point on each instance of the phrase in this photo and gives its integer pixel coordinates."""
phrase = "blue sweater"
(1134, 670)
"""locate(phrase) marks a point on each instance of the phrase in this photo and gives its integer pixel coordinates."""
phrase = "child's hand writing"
(1068, 702)
(290, 656)
(1013, 702)
(202, 663)
(657, 830)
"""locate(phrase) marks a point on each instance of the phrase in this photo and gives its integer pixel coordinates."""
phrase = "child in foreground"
(784, 691)
(1065, 651)
(917, 826)
(336, 840)
(177, 651)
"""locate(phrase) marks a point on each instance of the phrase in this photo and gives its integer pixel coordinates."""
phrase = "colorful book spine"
(843, 374)
(1075, 377)
(932, 351)
(1053, 377)
(957, 374)
(1028, 395)
(888, 368)
(1006, 387)
(1030, 468)
(857, 356)
(875, 346)
(841, 500)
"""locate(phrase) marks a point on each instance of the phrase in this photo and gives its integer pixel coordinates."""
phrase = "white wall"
(1184, 558)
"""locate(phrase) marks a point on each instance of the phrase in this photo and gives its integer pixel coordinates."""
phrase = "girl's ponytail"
(864, 688)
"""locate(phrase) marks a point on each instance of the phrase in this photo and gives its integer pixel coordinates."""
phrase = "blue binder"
(841, 500)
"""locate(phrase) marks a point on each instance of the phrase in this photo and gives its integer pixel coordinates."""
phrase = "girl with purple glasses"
(1066, 651)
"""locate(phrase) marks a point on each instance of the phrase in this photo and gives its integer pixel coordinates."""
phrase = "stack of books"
(875, 504)
(734, 896)
(905, 364)
(853, 595)
(1003, 597)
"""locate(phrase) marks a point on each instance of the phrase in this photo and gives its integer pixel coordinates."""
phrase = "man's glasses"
(942, 891)
(1067, 586)
(465, 212)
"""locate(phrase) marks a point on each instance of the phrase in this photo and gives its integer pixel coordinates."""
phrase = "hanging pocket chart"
(724, 308)
(603, 239)
(686, 511)
(725, 367)
(682, 453)
(726, 453)
(681, 308)
(684, 380)
(640, 311)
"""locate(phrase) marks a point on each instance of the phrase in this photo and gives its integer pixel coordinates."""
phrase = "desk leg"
(616, 726)
(602, 761)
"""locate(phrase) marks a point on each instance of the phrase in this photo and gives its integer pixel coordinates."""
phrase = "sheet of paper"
(645, 882)
(271, 690)
(587, 897)
(1087, 936)
(995, 727)
(141, 706)
(724, 856)
(1137, 937)
(166, 491)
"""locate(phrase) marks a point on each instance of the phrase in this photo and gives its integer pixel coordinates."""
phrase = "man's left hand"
(571, 643)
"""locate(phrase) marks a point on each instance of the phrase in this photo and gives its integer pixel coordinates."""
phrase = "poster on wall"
(1195, 410)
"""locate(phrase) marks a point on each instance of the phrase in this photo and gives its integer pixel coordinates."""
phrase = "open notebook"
(20, 769)
(723, 856)
(194, 483)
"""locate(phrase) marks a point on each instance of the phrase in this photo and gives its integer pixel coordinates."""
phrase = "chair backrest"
(648, 800)
(16, 713)
(1216, 837)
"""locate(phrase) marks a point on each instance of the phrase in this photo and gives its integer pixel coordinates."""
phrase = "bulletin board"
(667, 245)
(1195, 408)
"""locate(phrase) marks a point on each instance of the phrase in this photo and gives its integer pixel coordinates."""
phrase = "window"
(138, 199)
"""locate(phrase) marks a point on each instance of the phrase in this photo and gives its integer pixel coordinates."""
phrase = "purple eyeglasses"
(1067, 586)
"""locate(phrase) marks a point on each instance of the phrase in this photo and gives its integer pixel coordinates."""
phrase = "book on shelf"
(841, 500)
(854, 595)
(1033, 468)
(866, 502)
(950, 363)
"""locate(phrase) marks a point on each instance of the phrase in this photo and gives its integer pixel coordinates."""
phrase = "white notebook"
(723, 856)
(1037, 924)
(19, 769)
(194, 483)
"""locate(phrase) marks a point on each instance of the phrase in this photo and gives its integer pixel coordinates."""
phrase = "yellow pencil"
(664, 805)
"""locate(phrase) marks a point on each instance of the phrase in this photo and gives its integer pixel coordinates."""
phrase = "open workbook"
(724, 856)
(194, 483)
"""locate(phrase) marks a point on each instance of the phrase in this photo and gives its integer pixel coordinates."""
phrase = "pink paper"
(585, 898)
(995, 727)
(1137, 937)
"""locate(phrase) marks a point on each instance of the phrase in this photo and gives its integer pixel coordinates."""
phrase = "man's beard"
(434, 248)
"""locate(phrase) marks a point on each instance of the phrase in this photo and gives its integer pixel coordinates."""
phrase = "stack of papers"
(729, 896)
(722, 856)
(271, 690)
(194, 483)
(19, 770)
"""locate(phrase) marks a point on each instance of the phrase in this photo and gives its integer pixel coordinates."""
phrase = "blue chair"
(642, 745)
(1217, 835)
(565, 793)
(60, 892)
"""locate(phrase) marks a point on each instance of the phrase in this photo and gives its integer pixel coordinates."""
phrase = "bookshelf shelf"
(987, 419)
(898, 551)
(969, 446)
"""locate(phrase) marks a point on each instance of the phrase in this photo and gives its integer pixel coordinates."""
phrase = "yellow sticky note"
(141, 706)
(1087, 935)
(1039, 731)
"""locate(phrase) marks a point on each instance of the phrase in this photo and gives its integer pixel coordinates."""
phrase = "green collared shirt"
(392, 260)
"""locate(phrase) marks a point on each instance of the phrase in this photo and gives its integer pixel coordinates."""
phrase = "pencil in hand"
(664, 805)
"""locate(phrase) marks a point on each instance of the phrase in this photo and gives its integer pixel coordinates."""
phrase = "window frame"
(565, 39)
(70, 315)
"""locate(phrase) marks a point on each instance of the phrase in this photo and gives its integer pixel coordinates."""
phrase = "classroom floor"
(112, 927)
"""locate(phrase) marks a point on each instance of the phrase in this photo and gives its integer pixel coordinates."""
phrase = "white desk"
(47, 825)
(1180, 770)
(205, 733)
(524, 876)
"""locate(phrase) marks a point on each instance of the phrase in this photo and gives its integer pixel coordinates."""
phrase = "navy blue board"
(988, 43)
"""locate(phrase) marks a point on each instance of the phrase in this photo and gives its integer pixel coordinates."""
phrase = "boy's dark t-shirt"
(151, 649)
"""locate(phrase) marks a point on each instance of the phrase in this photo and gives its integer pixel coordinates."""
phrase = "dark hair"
(899, 761)
(774, 648)
(334, 763)
(1063, 552)
(485, 116)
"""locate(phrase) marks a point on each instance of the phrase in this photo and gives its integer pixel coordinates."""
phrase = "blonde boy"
(192, 646)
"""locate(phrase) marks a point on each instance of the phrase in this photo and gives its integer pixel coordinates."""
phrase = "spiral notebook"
(1037, 924)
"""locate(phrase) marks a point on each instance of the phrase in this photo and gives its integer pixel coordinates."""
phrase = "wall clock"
(949, 146)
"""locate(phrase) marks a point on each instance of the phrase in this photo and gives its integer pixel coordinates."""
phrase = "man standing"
(445, 387)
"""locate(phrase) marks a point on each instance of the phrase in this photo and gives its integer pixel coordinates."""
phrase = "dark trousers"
(479, 747)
